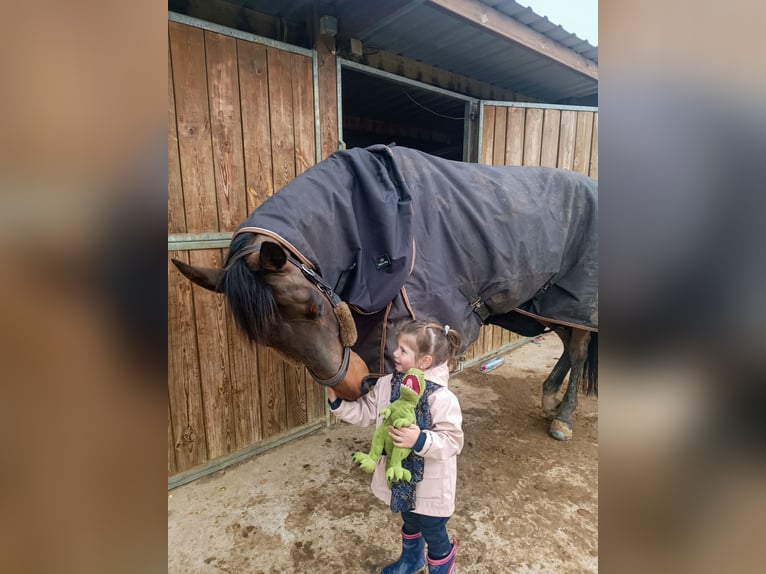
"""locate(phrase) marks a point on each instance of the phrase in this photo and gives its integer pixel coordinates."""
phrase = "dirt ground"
(525, 504)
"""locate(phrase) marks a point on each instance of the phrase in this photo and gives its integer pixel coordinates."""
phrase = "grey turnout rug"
(401, 234)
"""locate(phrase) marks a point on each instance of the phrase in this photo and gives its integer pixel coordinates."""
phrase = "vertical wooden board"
(594, 149)
(281, 113)
(488, 136)
(567, 139)
(295, 395)
(533, 136)
(245, 396)
(187, 48)
(256, 124)
(176, 216)
(184, 392)
(583, 142)
(212, 344)
(514, 149)
(328, 95)
(550, 144)
(506, 337)
(315, 398)
(498, 151)
(303, 104)
(171, 446)
(272, 392)
(226, 127)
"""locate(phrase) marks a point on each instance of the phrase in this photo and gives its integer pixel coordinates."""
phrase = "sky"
(579, 17)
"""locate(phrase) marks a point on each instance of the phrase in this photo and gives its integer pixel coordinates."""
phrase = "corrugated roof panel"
(440, 38)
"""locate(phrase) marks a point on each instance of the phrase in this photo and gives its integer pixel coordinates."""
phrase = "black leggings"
(434, 529)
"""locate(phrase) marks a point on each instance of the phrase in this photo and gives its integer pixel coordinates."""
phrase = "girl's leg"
(411, 523)
(434, 529)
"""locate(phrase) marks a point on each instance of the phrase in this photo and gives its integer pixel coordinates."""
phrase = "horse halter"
(326, 290)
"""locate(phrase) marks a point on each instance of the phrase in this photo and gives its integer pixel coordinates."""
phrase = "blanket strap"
(475, 301)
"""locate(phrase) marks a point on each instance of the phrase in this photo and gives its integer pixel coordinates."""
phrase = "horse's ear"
(202, 276)
(273, 257)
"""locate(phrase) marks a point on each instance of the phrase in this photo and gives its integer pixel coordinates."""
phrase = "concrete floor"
(526, 503)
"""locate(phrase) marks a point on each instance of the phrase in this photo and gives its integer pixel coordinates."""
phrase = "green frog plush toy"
(399, 413)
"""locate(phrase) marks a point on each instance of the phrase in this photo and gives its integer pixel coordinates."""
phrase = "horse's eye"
(315, 309)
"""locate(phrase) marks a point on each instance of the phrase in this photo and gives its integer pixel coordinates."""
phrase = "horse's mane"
(250, 298)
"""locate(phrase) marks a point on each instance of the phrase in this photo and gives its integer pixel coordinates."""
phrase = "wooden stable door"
(241, 124)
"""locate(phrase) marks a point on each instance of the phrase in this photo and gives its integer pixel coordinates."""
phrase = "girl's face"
(405, 356)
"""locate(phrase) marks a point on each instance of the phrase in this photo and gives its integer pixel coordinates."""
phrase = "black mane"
(249, 297)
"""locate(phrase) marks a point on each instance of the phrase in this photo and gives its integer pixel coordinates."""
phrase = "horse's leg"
(577, 349)
(552, 384)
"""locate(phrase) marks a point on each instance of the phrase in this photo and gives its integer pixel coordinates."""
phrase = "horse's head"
(277, 302)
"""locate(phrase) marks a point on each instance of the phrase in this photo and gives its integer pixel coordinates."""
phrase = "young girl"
(428, 500)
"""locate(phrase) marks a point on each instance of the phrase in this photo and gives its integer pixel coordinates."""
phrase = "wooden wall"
(566, 138)
(240, 126)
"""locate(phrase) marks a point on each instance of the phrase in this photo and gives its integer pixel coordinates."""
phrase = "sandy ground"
(526, 503)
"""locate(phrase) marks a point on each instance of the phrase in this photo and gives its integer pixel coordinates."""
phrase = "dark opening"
(377, 110)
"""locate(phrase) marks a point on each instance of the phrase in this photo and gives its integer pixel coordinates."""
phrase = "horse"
(324, 269)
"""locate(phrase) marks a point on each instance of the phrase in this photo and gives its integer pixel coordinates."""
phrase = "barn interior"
(379, 110)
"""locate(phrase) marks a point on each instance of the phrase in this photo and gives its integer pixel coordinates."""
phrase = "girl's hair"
(432, 338)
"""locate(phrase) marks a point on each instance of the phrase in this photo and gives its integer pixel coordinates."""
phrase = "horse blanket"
(402, 234)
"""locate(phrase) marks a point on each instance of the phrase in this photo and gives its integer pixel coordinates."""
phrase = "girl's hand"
(331, 394)
(404, 437)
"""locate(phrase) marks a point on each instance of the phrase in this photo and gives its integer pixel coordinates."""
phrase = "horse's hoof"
(560, 430)
(550, 406)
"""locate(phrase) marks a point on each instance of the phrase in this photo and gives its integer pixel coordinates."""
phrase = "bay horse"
(324, 269)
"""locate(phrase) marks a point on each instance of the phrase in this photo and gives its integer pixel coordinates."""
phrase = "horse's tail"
(589, 380)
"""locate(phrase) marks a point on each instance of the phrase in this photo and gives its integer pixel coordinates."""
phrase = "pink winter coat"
(435, 494)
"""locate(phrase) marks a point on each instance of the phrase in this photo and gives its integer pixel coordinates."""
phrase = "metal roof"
(463, 36)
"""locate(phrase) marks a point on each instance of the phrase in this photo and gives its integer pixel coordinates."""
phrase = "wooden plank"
(583, 142)
(315, 398)
(245, 395)
(212, 345)
(594, 149)
(281, 114)
(171, 445)
(514, 150)
(256, 127)
(187, 48)
(488, 135)
(328, 94)
(272, 392)
(295, 395)
(184, 392)
(303, 105)
(533, 136)
(567, 139)
(226, 127)
(498, 152)
(550, 145)
(176, 216)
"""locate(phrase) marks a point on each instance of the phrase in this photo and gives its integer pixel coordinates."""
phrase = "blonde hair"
(432, 338)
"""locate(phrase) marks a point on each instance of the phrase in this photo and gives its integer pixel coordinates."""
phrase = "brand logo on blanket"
(382, 261)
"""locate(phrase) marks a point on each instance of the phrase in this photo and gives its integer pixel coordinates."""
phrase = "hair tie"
(446, 329)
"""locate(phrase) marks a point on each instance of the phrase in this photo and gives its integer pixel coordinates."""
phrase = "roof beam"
(506, 27)
(355, 21)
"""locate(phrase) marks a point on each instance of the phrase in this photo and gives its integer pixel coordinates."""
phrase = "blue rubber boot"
(444, 565)
(413, 558)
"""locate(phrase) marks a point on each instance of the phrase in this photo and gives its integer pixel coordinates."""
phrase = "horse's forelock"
(248, 295)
